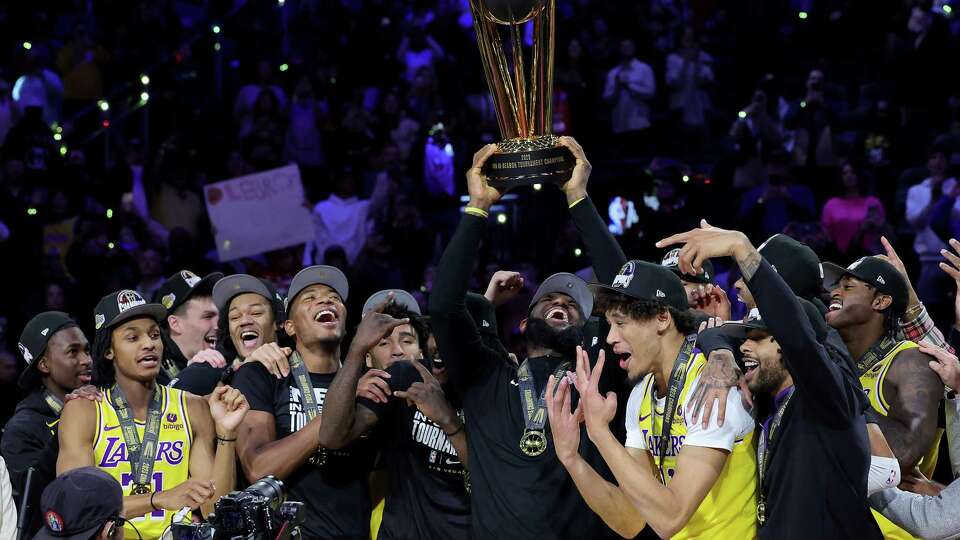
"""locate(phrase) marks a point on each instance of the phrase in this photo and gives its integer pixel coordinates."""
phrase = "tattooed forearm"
(914, 393)
(749, 262)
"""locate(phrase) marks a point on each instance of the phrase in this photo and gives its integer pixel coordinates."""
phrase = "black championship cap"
(570, 285)
(875, 272)
(648, 281)
(671, 261)
(33, 342)
(182, 286)
(317, 275)
(236, 284)
(796, 263)
(400, 298)
(124, 305)
(77, 503)
(739, 330)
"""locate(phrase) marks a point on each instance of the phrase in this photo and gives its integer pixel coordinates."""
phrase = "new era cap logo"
(128, 299)
(486, 324)
(880, 280)
(44, 332)
(661, 294)
(625, 276)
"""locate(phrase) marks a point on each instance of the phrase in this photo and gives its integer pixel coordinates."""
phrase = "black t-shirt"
(335, 495)
(200, 379)
(427, 498)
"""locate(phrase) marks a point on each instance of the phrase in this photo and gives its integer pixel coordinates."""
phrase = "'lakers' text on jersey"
(172, 461)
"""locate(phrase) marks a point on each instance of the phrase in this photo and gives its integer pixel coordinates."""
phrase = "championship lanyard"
(53, 402)
(875, 354)
(678, 376)
(534, 440)
(764, 453)
(141, 456)
(301, 377)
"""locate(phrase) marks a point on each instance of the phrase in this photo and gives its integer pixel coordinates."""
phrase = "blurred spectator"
(79, 61)
(9, 111)
(150, 263)
(933, 285)
(812, 119)
(10, 393)
(768, 208)
(689, 71)
(304, 143)
(394, 125)
(248, 96)
(176, 202)
(263, 144)
(629, 89)
(756, 133)
(418, 50)
(31, 141)
(39, 87)
(844, 217)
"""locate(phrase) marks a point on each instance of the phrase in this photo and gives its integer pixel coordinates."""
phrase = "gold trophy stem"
(497, 72)
(541, 91)
(520, 80)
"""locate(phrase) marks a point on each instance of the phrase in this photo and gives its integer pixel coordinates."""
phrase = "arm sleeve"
(635, 438)
(22, 448)
(257, 385)
(922, 329)
(814, 373)
(605, 252)
(457, 336)
(932, 518)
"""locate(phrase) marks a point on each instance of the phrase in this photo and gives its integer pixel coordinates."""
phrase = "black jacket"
(816, 483)
(30, 440)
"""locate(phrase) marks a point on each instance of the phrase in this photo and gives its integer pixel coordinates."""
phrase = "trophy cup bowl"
(529, 153)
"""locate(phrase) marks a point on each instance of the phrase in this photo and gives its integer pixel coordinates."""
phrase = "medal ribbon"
(535, 409)
(678, 376)
(765, 452)
(140, 456)
(876, 353)
(53, 402)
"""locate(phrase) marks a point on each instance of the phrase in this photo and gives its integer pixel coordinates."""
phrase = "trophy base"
(524, 162)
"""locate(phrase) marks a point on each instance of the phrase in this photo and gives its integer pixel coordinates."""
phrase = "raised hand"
(712, 300)
(952, 269)
(708, 242)
(503, 287)
(375, 326)
(191, 492)
(894, 259)
(373, 385)
(428, 396)
(576, 187)
(564, 423)
(227, 407)
(482, 196)
(598, 410)
(944, 364)
(88, 392)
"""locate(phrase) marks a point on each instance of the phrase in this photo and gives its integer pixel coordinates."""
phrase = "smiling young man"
(58, 361)
(867, 299)
(807, 488)
(190, 325)
(167, 449)
(251, 318)
(280, 435)
(422, 433)
(682, 479)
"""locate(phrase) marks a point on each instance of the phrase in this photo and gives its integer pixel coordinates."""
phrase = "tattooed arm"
(914, 392)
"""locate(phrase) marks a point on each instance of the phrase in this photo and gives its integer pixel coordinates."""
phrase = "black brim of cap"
(832, 273)
(44, 534)
(699, 278)
(739, 330)
(154, 311)
(597, 287)
(207, 281)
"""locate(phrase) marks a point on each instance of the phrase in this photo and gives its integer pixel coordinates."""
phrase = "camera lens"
(270, 488)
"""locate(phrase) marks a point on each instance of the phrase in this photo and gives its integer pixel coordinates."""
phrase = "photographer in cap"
(816, 409)
(168, 449)
(190, 325)
(422, 433)
(280, 435)
(82, 504)
(58, 361)
(250, 322)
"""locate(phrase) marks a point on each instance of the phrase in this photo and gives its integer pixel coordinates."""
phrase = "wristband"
(155, 509)
(478, 212)
(225, 441)
(458, 430)
(576, 202)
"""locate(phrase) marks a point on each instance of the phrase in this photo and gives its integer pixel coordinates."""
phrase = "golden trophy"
(530, 153)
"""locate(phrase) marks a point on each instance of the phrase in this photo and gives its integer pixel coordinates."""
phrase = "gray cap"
(317, 275)
(570, 285)
(230, 286)
(400, 297)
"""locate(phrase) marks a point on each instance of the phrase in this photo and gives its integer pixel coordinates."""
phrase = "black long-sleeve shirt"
(816, 483)
(513, 495)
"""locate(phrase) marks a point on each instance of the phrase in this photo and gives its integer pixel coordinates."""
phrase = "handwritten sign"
(259, 212)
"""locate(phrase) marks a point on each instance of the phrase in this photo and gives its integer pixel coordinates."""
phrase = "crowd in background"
(834, 121)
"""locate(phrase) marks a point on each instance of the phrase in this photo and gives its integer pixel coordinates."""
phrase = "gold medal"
(140, 489)
(533, 443)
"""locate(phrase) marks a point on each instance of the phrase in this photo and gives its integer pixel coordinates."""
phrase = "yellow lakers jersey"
(872, 381)
(729, 509)
(171, 467)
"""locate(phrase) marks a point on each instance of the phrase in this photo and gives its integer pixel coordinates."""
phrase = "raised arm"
(605, 252)
(344, 420)
(457, 336)
(914, 392)
(213, 456)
